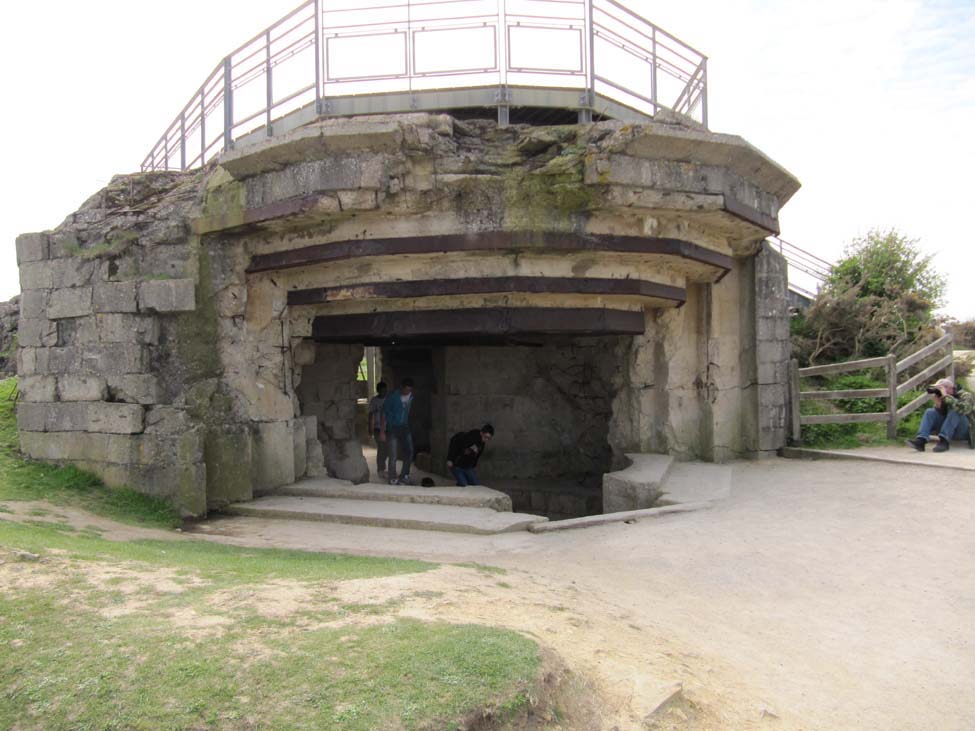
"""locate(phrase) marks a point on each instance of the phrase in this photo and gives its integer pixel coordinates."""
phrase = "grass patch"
(83, 671)
(22, 479)
(213, 562)
(78, 655)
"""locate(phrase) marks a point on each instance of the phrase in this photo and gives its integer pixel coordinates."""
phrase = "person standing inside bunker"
(395, 431)
(376, 425)
(464, 451)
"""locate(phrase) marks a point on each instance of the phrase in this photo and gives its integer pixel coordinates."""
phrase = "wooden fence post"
(794, 401)
(891, 396)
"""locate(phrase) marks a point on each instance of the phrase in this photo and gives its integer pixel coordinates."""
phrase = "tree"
(878, 299)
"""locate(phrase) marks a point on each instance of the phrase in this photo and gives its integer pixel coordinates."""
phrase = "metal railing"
(320, 52)
(802, 261)
(893, 390)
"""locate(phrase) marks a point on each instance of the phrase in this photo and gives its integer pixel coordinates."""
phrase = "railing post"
(318, 56)
(270, 88)
(182, 140)
(794, 401)
(891, 368)
(950, 348)
(228, 104)
(653, 68)
(203, 125)
(589, 103)
(704, 95)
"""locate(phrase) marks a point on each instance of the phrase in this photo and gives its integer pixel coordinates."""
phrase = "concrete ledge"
(467, 497)
(447, 518)
(628, 516)
(638, 486)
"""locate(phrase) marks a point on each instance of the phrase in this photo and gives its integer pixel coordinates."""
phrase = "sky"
(870, 103)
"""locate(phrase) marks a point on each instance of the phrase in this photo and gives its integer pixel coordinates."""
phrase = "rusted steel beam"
(512, 241)
(491, 285)
(385, 327)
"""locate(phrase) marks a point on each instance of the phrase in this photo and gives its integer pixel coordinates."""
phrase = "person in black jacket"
(465, 449)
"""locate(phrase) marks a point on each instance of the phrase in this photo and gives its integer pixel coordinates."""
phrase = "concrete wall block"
(82, 388)
(33, 247)
(31, 417)
(72, 272)
(228, 452)
(37, 333)
(114, 359)
(69, 302)
(115, 418)
(168, 295)
(37, 388)
(273, 455)
(85, 417)
(134, 388)
(167, 420)
(36, 275)
(33, 304)
(115, 297)
(300, 447)
(124, 328)
(64, 446)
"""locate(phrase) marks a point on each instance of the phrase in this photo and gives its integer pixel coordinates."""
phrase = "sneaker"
(943, 445)
(404, 480)
(394, 482)
(917, 442)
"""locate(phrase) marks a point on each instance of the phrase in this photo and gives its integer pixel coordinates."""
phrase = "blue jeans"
(950, 426)
(399, 442)
(464, 475)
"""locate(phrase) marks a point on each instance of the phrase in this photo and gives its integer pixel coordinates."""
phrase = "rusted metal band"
(489, 285)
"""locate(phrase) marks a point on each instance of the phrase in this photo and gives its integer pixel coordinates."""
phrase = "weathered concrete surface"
(9, 317)
(170, 290)
(626, 516)
(466, 497)
(413, 516)
(829, 595)
(638, 486)
(959, 457)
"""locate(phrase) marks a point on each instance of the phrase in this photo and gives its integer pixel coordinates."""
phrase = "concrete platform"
(695, 482)
(466, 497)
(450, 518)
(959, 457)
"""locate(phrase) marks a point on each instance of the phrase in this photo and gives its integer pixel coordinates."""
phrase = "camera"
(936, 391)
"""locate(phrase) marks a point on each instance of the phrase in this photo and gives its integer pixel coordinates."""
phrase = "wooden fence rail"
(893, 370)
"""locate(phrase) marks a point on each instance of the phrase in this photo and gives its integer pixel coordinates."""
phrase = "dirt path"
(819, 596)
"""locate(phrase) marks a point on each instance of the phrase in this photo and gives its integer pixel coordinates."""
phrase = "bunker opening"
(549, 397)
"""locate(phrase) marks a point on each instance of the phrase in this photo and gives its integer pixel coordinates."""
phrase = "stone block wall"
(327, 394)
(550, 405)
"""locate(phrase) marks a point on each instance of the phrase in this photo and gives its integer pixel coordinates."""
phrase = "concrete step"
(450, 518)
(695, 482)
(466, 497)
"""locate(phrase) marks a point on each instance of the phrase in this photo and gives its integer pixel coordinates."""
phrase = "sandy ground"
(826, 595)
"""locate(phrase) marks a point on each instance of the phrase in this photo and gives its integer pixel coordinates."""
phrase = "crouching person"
(951, 417)
(465, 449)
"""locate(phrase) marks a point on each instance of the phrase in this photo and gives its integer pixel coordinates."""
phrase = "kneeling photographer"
(951, 417)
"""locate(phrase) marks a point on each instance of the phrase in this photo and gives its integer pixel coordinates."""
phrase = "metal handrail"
(295, 58)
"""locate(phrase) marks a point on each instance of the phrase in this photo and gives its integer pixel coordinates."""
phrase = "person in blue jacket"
(395, 431)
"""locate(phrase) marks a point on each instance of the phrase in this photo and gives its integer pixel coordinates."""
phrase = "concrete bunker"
(594, 290)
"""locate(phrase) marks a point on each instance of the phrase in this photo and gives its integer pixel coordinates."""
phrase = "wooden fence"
(893, 369)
